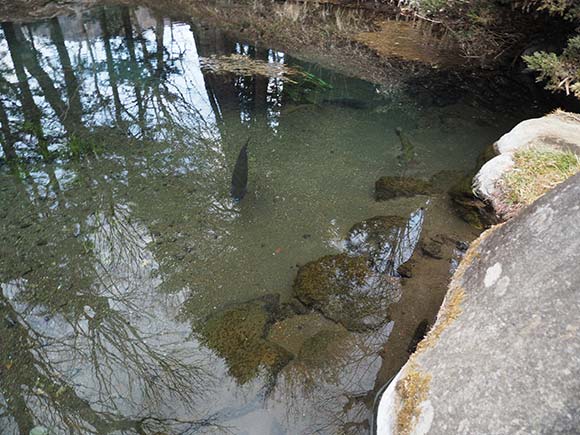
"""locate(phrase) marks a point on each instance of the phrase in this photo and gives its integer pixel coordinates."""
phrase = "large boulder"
(504, 354)
(347, 290)
(557, 130)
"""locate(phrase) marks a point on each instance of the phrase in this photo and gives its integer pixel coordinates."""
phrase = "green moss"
(237, 334)
(393, 187)
(318, 280)
(316, 349)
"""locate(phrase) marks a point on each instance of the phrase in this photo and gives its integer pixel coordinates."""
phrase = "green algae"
(238, 334)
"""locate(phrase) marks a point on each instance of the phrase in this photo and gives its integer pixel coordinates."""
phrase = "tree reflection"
(119, 208)
(84, 350)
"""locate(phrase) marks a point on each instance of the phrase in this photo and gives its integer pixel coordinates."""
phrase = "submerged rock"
(238, 333)
(393, 187)
(347, 290)
(293, 332)
(379, 238)
(443, 181)
(316, 349)
(432, 248)
(405, 270)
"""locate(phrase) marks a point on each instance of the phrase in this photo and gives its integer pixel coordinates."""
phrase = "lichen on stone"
(451, 307)
(412, 390)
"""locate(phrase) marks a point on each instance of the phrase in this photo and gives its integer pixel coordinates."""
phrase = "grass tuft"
(535, 172)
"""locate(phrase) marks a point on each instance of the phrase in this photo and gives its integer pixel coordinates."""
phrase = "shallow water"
(132, 283)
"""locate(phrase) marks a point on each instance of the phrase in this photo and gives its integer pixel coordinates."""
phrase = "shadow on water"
(137, 296)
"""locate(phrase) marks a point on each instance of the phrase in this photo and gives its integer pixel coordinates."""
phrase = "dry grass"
(412, 389)
(535, 172)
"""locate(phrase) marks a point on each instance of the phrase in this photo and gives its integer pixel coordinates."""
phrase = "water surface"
(120, 242)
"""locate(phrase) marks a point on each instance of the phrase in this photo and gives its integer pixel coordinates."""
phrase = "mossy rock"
(394, 187)
(347, 290)
(377, 237)
(292, 332)
(238, 333)
(321, 347)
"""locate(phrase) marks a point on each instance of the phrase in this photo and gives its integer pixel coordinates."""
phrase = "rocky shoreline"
(558, 131)
(502, 356)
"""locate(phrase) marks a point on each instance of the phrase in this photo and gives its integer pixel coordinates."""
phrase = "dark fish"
(240, 175)
(419, 334)
(407, 149)
(349, 103)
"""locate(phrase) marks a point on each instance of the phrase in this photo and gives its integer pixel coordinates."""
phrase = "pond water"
(138, 297)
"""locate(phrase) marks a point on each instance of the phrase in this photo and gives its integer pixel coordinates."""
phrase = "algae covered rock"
(318, 348)
(238, 333)
(292, 332)
(393, 187)
(347, 290)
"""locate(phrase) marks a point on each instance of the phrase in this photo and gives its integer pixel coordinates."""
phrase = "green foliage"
(561, 72)
(79, 146)
(569, 9)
